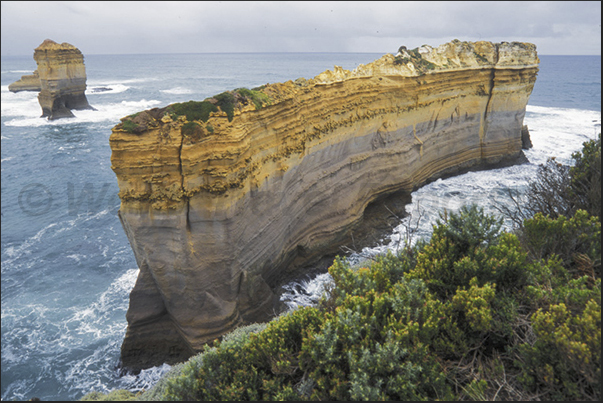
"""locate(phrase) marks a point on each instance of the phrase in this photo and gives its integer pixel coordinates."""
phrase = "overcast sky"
(556, 27)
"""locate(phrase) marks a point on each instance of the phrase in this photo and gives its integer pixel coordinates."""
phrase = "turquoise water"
(67, 267)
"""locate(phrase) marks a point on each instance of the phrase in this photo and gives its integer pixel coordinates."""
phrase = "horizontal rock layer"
(30, 82)
(218, 218)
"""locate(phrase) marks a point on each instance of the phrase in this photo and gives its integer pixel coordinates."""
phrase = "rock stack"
(60, 78)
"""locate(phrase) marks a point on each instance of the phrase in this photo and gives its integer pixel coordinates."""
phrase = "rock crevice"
(221, 204)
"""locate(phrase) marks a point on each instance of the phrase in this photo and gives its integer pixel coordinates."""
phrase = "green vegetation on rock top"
(414, 57)
(226, 102)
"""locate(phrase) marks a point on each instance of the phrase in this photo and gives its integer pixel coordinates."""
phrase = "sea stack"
(223, 199)
(60, 78)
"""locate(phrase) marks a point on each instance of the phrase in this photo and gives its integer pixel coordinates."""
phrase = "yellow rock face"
(219, 212)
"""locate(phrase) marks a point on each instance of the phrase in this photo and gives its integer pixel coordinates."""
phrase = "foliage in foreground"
(463, 316)
(474, 313)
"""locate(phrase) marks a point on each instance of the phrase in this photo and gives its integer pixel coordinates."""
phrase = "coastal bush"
(415, 57)
(586, 177)
(249, 366)
(576, 241)
(565, 359)
(129, 126)
(470, 245)
(376, 346)
(113, 396)
(559, 189)
(225, 102)
(193, 131)
(193, 110)
(257, 97)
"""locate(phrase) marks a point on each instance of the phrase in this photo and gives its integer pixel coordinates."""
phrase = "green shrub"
(248, 366)
(226, 102)
(586, 177)
(471, 227)
(192, 130)
(376, 346)
(383, 273)
(258, 98)
(560, 189)
(193, 110)
(576, 240)
(565, 359)
(470, 245)
(113, 396)
(129, 126)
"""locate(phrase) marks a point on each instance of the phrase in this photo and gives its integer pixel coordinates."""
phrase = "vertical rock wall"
(217, 215)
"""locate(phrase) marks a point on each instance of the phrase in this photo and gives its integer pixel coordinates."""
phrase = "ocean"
(67, 267)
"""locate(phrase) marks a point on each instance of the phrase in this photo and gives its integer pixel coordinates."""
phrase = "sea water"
(67, 267)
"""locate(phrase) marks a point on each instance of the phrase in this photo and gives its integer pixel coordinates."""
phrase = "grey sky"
(556, 27)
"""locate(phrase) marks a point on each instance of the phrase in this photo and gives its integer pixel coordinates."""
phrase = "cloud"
(193, 27)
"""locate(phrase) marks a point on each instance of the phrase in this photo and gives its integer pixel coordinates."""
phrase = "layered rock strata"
(29, 82)
(60, 78)
(218, 210)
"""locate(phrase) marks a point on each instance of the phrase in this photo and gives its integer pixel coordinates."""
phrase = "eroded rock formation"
(222, 199)
(28, 82)
(60, 78)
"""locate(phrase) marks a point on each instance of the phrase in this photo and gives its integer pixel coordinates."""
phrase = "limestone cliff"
(60, 78)
(223, 198)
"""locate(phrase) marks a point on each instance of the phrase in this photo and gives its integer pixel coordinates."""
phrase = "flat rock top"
(49, 44)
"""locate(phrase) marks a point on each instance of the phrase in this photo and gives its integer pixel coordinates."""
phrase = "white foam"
(17, 71)
(103, 89)
(23, 103)
(104, 112)
(95, 319)
(306, 292)
(76, 257)
(558, 132)
(145, 380)
(177, 91)
(14, 252)
(139, 80)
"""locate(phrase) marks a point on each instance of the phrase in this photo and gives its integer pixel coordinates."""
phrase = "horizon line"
(251, 53)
